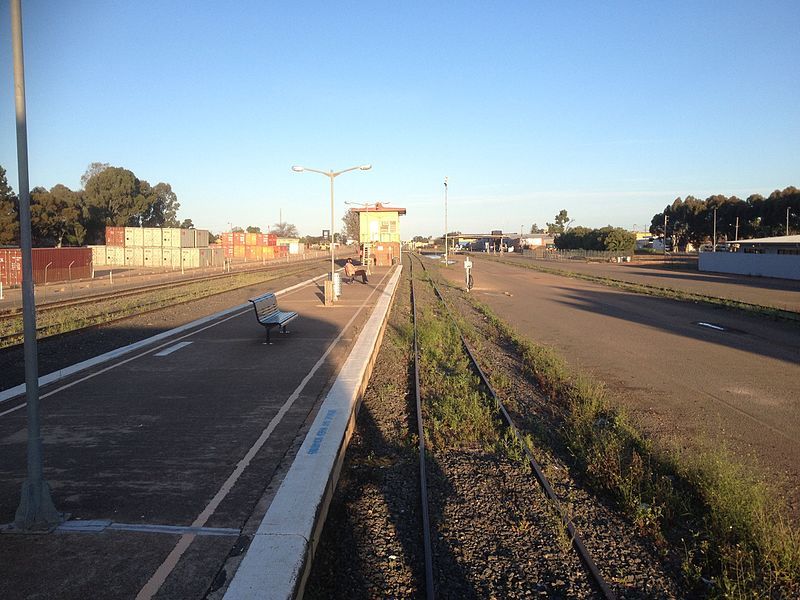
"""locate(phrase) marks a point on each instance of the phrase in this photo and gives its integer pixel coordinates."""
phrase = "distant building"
(763, 257)
(379, 233)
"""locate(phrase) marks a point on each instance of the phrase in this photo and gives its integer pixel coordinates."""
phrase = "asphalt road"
(695, 385)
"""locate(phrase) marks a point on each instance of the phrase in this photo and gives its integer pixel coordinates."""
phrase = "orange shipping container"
(268, 252)
(115, 236)
(238, 251)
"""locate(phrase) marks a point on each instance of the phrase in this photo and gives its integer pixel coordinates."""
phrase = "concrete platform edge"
(277, 563)
(55, 376)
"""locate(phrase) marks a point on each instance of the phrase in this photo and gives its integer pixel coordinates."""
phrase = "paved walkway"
(168, 457)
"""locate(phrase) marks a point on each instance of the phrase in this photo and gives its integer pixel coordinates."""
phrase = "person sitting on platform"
(351, 272)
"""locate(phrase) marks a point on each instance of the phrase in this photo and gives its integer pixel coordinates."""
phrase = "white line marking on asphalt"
(711, 326)
(152, 587)
(173, 349)
(57, 375)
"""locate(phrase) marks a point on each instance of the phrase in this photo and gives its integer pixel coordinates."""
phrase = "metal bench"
(269, 315)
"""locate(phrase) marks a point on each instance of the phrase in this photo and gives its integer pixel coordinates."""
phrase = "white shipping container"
(115, 256)
(200, 238)
(152, 237)
(134, 236)
(190, 258)
(294, 248)
(175, 237)
(171, 258)
(98, 256)
(134, 256)
(153, 257)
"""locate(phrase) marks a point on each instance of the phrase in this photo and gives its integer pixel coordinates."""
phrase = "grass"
(738, 539)
(71, 318)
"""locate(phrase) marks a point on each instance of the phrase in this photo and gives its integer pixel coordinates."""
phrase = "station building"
(764, 257)
(379, 233)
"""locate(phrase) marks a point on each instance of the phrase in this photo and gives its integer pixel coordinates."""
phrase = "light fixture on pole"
(331, 175)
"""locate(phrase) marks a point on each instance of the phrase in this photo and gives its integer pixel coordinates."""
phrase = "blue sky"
(610, 110)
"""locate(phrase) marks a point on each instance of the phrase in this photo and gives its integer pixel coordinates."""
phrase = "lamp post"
(36, 511)
(331, 175)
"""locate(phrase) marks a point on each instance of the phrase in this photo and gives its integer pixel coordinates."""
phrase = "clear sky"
(608, 109)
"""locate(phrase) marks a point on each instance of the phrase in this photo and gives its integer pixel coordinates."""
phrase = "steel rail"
(426, 523)
(576, 540)
(118, 315)
(138, 289)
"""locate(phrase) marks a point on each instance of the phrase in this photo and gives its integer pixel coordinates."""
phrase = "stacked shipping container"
(246, 247)
(157, 247)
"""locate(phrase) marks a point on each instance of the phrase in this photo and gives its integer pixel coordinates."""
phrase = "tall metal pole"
(333, 266)
(36, 511)
(714, 241)
(665, 233)
(446, 245)
(736, 235)
(787, 220)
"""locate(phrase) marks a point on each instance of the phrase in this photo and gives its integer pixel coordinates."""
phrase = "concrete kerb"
(279, 558)
(55, 376)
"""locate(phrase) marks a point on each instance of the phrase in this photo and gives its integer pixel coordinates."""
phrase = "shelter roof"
(378, 207)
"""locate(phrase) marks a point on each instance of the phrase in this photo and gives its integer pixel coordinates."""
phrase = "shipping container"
(171, 258)
(152, 237)
(294, 248)
(272, 239)
(200, 238)
(98, 255)
(238, 238)
(217, 256)
(134, 236)
(153, 257)
(48, 264)
(174, 237)
(115, 256)
(115, 236)
(134, 256)
(227, 251)
(268, 252)
(253, 252)
(226, 239)
(251, 239)
(238, 251)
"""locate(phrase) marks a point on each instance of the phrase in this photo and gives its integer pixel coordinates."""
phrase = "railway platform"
(196, 463)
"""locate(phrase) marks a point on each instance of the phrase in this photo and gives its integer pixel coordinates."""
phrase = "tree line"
(692, 220)
(108, 196)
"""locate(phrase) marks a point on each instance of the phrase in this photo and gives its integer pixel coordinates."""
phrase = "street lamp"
(331, 175)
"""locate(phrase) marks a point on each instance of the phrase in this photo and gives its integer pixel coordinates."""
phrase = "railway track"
(110, 306)
(575, 540)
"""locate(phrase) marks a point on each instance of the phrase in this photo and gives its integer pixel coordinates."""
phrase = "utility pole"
(736, 235)
(445, 223)
(714, 241)
(36, 511)
(787, 220)
(666, 218)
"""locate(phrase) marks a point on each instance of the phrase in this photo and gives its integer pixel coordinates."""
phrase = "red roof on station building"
(378, 207)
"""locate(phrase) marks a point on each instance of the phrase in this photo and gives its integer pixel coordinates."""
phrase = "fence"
(583, 255)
